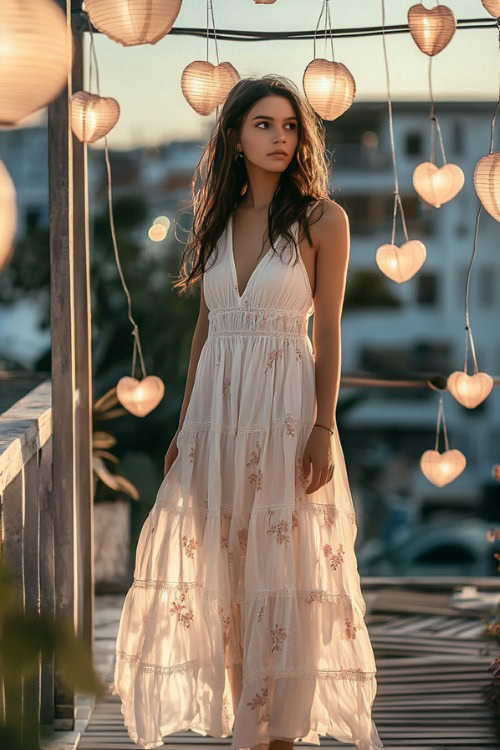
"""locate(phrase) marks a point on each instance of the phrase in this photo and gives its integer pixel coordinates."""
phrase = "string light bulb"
(437, 185)
(8, 216)
(329, 87)
(33, 55)
(401, 263)
(133, 22)
(431, 29)
(487, 183)
(205, 86)
(93, 116)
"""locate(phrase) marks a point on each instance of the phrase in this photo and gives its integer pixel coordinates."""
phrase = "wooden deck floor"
(432, 663)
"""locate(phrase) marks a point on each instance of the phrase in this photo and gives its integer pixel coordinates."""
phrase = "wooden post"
(70, 371)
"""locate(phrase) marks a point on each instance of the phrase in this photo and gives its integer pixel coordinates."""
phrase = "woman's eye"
(292, 124)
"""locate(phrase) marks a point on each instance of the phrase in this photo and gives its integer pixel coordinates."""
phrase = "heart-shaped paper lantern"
(470, 390)
(329, 87)
(140, 396)
(205, 86)
(437, 185)
(431, 29)
(401, 263)
(33, 57)
(93, 116)
(131, 22)
(8, 216)
(442, 468)
(487, 183)
(493, 7)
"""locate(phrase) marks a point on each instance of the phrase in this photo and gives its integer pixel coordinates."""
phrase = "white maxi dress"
(245, 618)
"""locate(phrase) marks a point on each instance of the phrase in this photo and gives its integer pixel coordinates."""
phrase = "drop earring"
(238, 154)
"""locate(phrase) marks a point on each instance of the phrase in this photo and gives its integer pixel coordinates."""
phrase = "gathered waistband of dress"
(238, 321)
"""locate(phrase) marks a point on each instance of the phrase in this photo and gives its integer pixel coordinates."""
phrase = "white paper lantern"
(487, 183)
(469, 390)
(8, 216)
(205, 86)
(442, 468)
(401, 263)
(329, 86)
(431, 29)
(437, 185)
(132, 22)
(33, 57)
(93, 116)
(493, 7)
(140, 396)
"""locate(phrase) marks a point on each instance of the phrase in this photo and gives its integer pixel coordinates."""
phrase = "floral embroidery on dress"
(350, 629)
(261, 612)
(280, 530)
(300, 474)
(243, 538)
(278, 634)
(185, 618)
(260, 698)
(254, 456)
(335, 559)
(226, 385)
(275, 354)
(256, 478)
(289, 425)
(226, 716)
(145, 619)
(189, 545)
(329, 517)
(295, 519)
(218, 359)
(298, 354)
(192, 450)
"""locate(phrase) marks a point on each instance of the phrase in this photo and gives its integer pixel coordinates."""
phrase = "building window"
(413, 144)
(427, 288)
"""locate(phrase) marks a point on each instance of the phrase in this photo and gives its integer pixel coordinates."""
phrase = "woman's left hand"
(318, 453)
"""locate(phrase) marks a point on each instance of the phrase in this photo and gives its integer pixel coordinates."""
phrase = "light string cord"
(434, 121)
(210, 10)
(397, 197)
(445, 432)
(135, 329)
(468, 330)
(325, 8)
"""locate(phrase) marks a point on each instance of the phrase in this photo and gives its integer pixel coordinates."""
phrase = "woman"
(245, 617)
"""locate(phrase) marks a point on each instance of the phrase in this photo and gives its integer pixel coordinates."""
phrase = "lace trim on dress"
(228, 509)
(245, 332)
(249, 308)
(246, 429)
(256, 674)
(314, 595)
(325, 674)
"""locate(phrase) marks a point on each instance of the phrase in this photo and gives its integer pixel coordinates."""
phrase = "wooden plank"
(47, 577)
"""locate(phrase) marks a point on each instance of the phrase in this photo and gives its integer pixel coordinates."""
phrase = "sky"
(146, 79)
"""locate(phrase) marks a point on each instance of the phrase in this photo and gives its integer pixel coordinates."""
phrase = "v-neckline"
(233, 263)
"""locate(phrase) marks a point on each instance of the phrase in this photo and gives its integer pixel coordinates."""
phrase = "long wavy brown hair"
(219, 182)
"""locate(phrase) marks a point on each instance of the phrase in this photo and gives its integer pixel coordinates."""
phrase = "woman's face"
(270, 125)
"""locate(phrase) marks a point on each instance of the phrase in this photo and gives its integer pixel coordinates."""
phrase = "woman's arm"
(333, 238)
(199, 337)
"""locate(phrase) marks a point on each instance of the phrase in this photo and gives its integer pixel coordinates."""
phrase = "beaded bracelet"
(322, 425)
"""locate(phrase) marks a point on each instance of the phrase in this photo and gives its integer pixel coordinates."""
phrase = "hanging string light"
(328, 85)
(33, 55)
(397, 263)
(8, 216)
(93, 116)
(437, 185)
(204, 85)
(138, 396)
(493, 7)
(442, 468)
(132, 22)
(431, 29)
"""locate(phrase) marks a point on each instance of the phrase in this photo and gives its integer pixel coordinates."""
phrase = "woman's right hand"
(171, 454)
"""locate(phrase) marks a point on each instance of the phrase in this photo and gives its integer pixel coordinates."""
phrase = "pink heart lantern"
(401, 263)
(442, 468)
(140, 396)
(469, 390)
